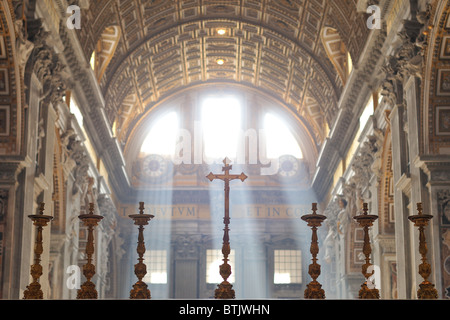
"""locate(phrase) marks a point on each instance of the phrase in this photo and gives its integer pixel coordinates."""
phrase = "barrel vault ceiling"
(273, 45)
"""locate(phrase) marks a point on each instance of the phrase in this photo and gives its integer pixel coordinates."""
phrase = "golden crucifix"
(225, 289)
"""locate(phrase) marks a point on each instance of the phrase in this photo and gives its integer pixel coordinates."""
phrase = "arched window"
(221, 125)
(221, 135)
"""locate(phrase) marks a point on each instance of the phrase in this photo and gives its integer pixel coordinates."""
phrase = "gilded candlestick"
(90, 220)
(33, 290)
(314, 288)
(140, 289)
(368, 290)
(426, 288)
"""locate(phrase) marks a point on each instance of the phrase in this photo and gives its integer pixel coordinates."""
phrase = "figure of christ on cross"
(224, 290)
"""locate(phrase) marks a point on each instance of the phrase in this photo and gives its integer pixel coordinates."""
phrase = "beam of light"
(162, 136)
(214, 259)
(156, 261)
(281, 277)
(157, 237)
(279, 138)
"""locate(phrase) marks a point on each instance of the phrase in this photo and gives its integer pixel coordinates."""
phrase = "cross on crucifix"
(224, 290)
(227, 177)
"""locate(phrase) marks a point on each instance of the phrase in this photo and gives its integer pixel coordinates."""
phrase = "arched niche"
(187, 103)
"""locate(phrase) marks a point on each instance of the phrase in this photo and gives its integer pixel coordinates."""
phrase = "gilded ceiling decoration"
(273, 45)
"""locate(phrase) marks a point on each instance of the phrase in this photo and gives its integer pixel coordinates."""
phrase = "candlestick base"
(33, 292)
(366, 293)
(224, 291)
(427, 291)
(140, 291)
(314, 291)
(87, 291)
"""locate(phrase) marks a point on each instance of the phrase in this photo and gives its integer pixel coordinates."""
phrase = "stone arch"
(302, 130)
(435, 115)
(104, 50)
(13, 45)
(313, 110)
(337, 52)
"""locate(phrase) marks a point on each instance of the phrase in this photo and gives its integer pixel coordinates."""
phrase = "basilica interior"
(109, 104)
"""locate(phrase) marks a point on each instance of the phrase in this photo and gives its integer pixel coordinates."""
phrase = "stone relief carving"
(75, 159)
(186, 246)
(443, 198)
(49, 69)
(3, 204)
(24, 47)
(446, 238)
(355, 190)
(378, 137)
(409, 57)
(334, 211)
(109, 212)
(362, 162)
(390, 83)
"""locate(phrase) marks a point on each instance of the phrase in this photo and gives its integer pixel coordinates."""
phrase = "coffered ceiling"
(273, 45)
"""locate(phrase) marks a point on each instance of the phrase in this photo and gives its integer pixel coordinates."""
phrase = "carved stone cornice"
(404, 183)
(97, 125)
(9, 169)
(437, 167)
(386, 242)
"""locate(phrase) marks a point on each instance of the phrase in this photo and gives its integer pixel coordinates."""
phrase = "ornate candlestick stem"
(140, 290)
(90, 220)
(426, 288)
(314, 288)
(33, 290)
(368, 290)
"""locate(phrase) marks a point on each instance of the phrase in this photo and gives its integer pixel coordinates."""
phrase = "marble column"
(419, 192)
(186, 266)
(401, 184)
(22, 238)
(254, 270)
(437, 168)
(44, 185)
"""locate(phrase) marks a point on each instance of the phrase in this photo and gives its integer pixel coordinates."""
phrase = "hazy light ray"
(279, 138)
(162, 136)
